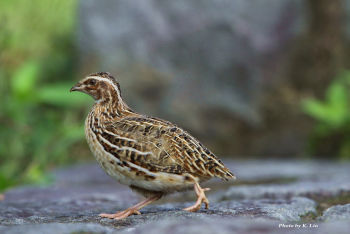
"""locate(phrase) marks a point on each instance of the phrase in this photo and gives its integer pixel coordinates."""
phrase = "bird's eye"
(92, 82)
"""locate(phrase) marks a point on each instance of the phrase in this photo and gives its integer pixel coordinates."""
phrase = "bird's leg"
(132, 210)
(201, 198)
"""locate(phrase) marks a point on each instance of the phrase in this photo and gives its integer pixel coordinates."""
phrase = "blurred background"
(250, 79)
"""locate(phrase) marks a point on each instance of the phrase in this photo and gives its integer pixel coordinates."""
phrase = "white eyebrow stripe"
(104, 79)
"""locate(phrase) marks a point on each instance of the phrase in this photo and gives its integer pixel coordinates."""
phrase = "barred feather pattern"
(145, 152)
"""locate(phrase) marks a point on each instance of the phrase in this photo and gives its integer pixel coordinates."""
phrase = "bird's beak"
(76, 87)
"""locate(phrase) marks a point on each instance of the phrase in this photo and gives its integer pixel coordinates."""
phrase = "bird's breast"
(107, 161)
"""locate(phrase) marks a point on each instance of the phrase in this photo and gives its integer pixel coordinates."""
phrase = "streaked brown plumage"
(153, 156)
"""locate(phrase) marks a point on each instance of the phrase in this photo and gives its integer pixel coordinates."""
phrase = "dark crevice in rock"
(324, 202)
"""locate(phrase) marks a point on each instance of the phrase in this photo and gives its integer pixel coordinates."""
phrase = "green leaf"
(338, 104)
(334, 111)
(59, 95)
(35, 174)
(24, 80)
(74, 133)
(315, 109)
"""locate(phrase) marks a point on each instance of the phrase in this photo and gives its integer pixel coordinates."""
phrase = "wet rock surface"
(268, 197)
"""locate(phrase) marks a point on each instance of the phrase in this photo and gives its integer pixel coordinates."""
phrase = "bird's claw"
(120, 215)
(201, 199)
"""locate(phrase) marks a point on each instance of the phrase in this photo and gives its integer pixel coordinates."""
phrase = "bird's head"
(100, 86)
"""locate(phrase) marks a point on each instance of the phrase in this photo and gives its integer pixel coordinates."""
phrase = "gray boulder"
(176, 55)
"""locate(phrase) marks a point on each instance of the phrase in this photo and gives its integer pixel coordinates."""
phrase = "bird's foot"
(132, 210)
(201, 198)
(121, 215)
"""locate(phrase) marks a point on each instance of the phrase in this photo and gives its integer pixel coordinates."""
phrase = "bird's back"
(173, 150)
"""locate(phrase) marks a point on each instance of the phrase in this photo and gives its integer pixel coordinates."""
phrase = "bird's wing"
(161, 146)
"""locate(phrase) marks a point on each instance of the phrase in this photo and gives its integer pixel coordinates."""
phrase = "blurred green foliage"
(332, 116)
(40, 121)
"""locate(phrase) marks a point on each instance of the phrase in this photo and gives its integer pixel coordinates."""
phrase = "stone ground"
(267, 197)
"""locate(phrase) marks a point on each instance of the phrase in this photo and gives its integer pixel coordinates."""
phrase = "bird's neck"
(112, 107)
